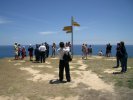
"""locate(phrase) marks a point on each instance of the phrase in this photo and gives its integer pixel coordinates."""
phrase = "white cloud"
(47, 33)
(80, 28)
(4, 20)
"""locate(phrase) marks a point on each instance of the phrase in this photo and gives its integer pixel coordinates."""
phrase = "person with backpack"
(63, 63)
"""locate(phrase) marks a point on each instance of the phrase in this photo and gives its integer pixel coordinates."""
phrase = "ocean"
(8, 51)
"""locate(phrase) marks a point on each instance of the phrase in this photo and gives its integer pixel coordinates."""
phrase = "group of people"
(42, 51)
(86, 51)
(20, 52)
(108, 51)
(121, 56)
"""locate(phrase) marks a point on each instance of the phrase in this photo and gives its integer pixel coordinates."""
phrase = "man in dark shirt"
(30, 49)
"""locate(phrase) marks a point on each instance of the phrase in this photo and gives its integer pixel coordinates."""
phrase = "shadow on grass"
(118, 73)
(115, 67)
(56, 81)
(36, 62)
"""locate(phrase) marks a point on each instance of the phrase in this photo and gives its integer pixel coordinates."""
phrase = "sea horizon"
(8, 50)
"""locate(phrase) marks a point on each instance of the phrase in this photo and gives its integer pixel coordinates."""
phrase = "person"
(19, 51)
(42, 50)
(30, 49)
(47, 49)
(118, 55)
(67, 47)
(63, 63)
(23, 52)
(82, 50)
(100, 53)
(69, 44)
(16, 51)
(108, 50)
(85, 51)
(90, 50)
(53, 50)
(37, 53)
(124, 57)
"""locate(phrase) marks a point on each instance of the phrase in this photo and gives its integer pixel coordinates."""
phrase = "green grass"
(130, 83)
(122, 80)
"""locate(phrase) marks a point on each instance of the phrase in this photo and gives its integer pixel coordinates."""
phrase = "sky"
(37, 21)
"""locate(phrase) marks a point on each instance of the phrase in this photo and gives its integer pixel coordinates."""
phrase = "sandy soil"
(86, 77)
(36, 76)
(90, 82)
(90, 79)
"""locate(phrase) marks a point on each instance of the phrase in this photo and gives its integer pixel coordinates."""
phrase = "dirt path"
(36, 76)
(90, 79)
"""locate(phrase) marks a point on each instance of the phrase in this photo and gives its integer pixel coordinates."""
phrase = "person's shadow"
(117, 73)
(56, 81)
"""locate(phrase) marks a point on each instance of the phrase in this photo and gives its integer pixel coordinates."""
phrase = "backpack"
(67, 57)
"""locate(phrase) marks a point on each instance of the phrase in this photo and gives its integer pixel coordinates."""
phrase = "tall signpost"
(72, 36)
(69, 29)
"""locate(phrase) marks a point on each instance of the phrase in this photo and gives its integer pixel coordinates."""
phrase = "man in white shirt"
(42, 50)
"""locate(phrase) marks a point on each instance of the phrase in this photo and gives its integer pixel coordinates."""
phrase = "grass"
(14, 83)
(122, 80)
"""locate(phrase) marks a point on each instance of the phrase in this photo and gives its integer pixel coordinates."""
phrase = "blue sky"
(37, 21)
